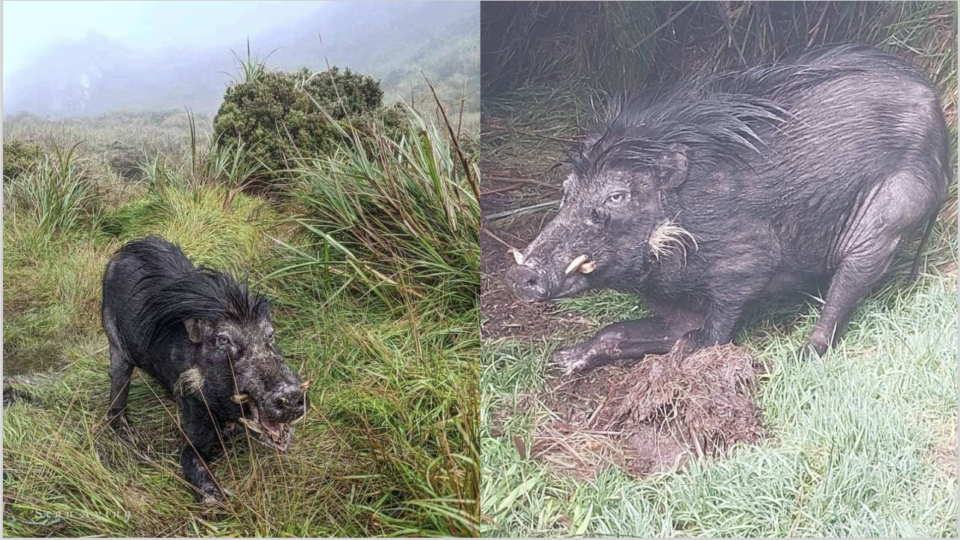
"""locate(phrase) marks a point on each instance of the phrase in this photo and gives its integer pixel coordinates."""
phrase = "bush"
(281, 116)
(19, 157)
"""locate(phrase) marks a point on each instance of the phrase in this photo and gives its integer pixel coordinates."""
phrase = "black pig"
(206, 339)
(712, 195)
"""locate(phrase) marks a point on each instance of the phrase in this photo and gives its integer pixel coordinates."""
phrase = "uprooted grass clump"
(653, 417)
(389, 445)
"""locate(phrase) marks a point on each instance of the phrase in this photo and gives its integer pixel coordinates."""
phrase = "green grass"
(850, 452)
(389, 446)
(403, 216)
(214, 234)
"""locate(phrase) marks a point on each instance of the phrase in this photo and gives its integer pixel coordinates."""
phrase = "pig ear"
(194, 331)
(672, 167)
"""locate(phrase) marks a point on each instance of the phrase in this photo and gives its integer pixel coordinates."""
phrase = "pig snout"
(285, 404)
(529, 283)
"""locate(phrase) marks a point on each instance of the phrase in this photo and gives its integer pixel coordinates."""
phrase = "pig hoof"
(569, 360)
(122, 428)
(812, 350)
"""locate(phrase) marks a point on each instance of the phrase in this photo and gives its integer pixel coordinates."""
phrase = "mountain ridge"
(389, 41)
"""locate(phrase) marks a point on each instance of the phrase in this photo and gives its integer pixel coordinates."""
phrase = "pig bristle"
(174, 290)
(668, 236)
(699, 116)
(190, 382)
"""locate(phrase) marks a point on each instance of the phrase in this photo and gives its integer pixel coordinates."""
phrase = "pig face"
(607, 233)
(246, 357)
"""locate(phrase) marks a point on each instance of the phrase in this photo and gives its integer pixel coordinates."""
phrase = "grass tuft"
(393, 220)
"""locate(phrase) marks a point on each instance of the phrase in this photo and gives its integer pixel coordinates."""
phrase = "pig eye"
(616, 198)
(223, 340)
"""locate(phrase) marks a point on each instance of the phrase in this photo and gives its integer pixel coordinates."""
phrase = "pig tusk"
(588, 267)
(574, 264)
(517, 256)
(239, 398)
(251, 425)
(304, 385)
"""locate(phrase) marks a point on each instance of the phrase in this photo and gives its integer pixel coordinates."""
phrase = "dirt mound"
(653, 416)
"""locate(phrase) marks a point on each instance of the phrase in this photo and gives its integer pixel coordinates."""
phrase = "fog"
(83, 58)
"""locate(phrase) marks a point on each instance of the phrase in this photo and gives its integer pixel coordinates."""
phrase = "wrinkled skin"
(205, 362)
(848, 155)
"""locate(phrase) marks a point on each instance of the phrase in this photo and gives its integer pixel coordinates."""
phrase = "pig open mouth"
(275, 435)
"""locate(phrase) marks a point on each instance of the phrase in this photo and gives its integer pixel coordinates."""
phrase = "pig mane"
(716, 119)
(172, 290)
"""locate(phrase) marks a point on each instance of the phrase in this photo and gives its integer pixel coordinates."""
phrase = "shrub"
(280, 116)
(19, 157)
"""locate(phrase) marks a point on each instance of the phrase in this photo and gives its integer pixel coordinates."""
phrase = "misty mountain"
(392, 41)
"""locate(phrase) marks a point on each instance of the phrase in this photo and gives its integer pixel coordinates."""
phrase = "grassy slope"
(388, 447)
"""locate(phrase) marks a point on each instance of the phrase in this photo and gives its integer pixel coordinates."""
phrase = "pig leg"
(850, 285)
(718, 328)
(629, 340)
(199, 450)
(866, 250)
(121, 370)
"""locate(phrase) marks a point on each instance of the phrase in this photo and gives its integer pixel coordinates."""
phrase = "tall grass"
(55, 195)
(251, 69)
(566, 44)
(394, 219)
(211, 164)
(389, 241)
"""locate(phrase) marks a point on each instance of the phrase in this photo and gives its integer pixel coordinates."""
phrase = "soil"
(652, 417)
